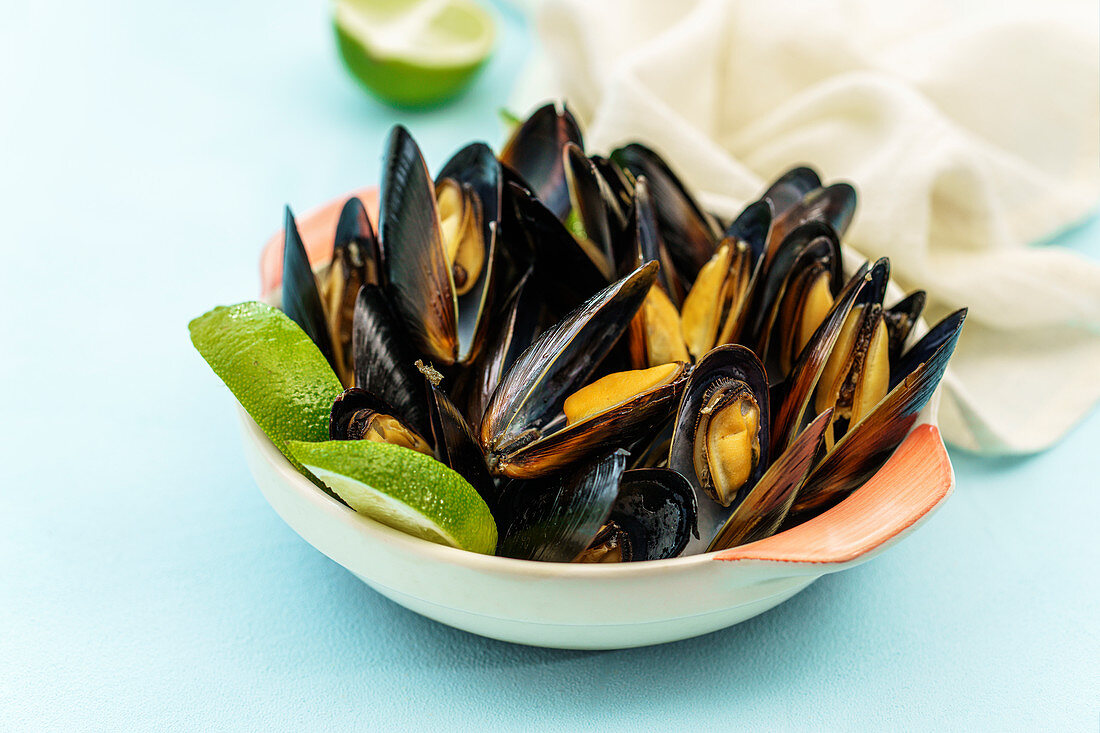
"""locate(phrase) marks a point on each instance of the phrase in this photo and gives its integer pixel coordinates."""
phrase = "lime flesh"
(413, 53)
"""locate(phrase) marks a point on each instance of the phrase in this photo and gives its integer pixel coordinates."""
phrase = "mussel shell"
(900, 319)
(812, 242)
(356, 243)
(417, 275)
(534, 152)
(532, 393)
(791, 187)
(657, 508)
(621, 426)
(834, 205)
(640, 242)
(477, 167)
(301, 300)
(798, 390)
(752, 226)
(384, 359)
(721, 366)
(456, 446)
(619, 183)
(766, 506)
(867, 445)
(944, 332)
(689, 233)
(595, 204)
(565, 274)
(516, 326)
(352, 401)
(555, 518)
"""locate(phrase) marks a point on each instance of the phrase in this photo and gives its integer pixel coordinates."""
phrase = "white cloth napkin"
(970, 129)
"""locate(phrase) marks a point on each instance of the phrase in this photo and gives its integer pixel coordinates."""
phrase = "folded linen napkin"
(969, 129)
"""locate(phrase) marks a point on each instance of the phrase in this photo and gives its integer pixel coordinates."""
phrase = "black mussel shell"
(301, 300)
(516, 326)
(752, 226)
(351, 404)
(530, 396)
(534, 152)
(640, 242)
(564, 272)
(356, 243)
(721, 368)
(456, 446)
(385, 362)
(620, 185)
(555, 518)
(798, 389)
(867, 445)
(900, 319)
(946, 331)
(416, 272)
(765, 507)
(810, 244)
(476, 166)
(791, 187)
(656, 508)
(689, 233)
(356, 261)
(595, 205)
(834, 205)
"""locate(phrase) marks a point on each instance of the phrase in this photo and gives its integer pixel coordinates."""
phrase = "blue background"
(147, 151)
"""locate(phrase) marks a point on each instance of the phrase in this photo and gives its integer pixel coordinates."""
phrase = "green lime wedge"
(272, 367)
(413, 53)
(403, 489)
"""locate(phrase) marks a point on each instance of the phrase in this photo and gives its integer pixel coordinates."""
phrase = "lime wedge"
(403, 489)
(272, 367)
(413, 53)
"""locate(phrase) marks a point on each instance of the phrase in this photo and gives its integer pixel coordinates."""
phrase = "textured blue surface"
(147, 150)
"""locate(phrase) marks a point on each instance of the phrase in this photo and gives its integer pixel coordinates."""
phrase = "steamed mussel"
(621, 374)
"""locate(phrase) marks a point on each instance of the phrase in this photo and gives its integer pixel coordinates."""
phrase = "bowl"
(607, 606)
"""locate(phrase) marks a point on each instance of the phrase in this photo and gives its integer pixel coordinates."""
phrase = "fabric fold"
(970, 131)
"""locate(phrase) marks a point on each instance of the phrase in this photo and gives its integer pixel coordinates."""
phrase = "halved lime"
(413, 52)
(403, 489)
(271, 366)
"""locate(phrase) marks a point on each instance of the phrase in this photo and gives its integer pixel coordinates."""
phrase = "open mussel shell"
(900, 319)
(797, 391)
(384, 360)
(565, 270)
(753, 227)
(808, 254)
(640, 242)
(595, 205)
(621, 186)
(763, 510)
(720, 440)
(359, 415)
(417, 275)
(869, 443)
(653, 517)
(301, 300)
(535, 153)
(523, 431)
(456, 446)
(356, 261)
(790, 188)
(555, 518)
(835, 205)
(689, 232)
(517, 325)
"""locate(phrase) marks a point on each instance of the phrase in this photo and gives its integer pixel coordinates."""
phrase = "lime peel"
(403, 489)
(413, 52)
(273, 369)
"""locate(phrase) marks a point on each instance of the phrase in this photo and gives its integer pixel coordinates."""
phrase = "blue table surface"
(147, 151)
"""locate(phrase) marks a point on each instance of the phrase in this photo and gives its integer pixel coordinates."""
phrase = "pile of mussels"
(618, 372)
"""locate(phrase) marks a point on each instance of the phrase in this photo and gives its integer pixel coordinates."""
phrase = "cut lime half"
(403, 489)
(413, 52)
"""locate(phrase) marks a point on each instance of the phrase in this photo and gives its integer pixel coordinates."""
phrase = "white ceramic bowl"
(599, 606)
